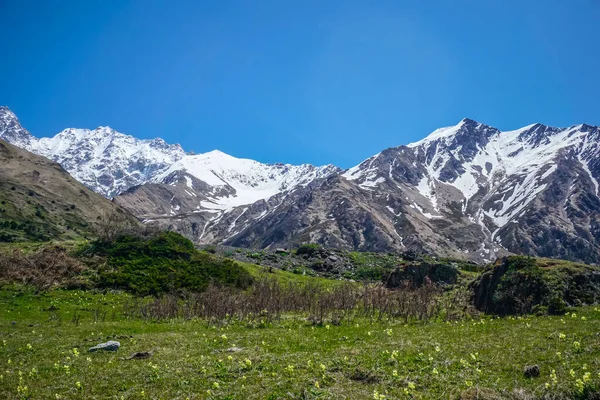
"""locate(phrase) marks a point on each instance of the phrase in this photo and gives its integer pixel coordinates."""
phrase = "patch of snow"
(394, 212)
(425, 214)
(368, 184)
(189, 182)
(232, 225)
(584, 163)
(362, 169)
(426, 187)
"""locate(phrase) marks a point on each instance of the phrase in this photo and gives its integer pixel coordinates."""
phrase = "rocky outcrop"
(520, 285)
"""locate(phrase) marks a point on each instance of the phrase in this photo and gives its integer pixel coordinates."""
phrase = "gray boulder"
(111, 345)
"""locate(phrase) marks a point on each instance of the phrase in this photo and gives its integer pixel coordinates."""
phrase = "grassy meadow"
(45, 337)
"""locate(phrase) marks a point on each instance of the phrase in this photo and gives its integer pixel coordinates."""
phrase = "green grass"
(44, 350)
(30, 247)
(284, 277)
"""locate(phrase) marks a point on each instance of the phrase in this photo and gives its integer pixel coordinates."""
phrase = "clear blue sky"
(298, 81)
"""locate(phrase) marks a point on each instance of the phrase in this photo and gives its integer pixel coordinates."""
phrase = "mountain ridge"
(467, 190)
(110, 162)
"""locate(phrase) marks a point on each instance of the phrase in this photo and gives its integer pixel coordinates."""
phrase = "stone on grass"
(531, 371)
(111, 345)
(140, 355)
(234, 349)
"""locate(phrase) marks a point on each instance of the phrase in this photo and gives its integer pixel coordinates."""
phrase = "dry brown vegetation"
(268, 300)
(46, 268)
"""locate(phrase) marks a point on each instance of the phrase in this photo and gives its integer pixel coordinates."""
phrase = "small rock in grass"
(234, 349)
(111, 345)
(531, 371)
(140, 355)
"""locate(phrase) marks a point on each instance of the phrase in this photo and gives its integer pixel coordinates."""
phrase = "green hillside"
(40, 201)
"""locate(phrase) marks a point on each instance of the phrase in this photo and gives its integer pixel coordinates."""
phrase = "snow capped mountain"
(247, 181)
(12, 131)
(468, 190)
(522, 189)
(103, 159)
(107, 161)
(110, 162)
(480, 160)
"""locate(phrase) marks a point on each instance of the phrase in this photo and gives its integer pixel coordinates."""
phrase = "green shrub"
(419, 274)
(210, 249)
(371, 273)
(308, 249)
(164, 263)
(516, 287)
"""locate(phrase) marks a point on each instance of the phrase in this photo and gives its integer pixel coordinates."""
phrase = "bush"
(164, 263)
(374, 273)
(308, 249)
(420, 274)
(210, 249)
(513, 287)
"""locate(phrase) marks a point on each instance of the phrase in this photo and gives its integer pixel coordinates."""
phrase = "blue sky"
(298, 81)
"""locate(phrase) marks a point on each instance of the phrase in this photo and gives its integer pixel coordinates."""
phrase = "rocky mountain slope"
(39, 200)
(530, 191)
(467, 191)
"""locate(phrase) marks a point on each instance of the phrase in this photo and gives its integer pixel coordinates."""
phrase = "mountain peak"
(7, 114)
(104, 129)
(444, 132)
(215, 153)
(12, 131)
(468, 121)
